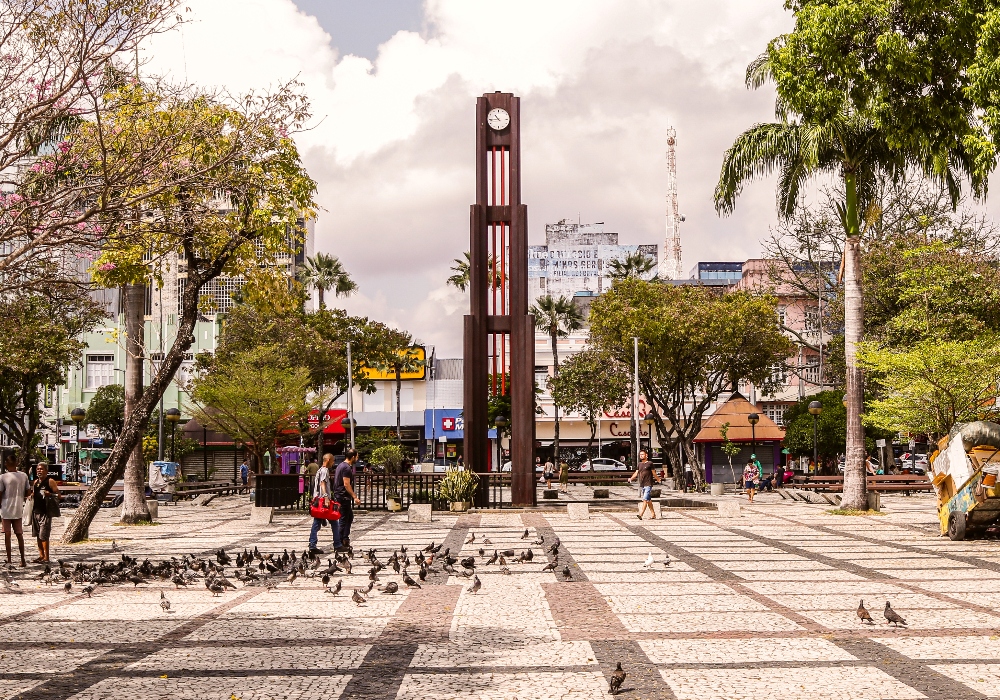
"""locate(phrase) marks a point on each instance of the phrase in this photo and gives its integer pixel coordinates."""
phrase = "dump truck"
(964, 470)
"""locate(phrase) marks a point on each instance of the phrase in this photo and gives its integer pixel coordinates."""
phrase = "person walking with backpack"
(322, 487)
(44, 507)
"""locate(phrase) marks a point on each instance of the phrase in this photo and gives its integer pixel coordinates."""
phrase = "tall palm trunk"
(855, 487)
(320, 290)
(554, 336)
(134, 508)
(399, 429)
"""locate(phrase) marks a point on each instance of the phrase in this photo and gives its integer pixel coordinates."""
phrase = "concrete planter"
(718, 489)
(393, 504)
(655, 493)
(459, 506)
(550, 494)
(602, 493)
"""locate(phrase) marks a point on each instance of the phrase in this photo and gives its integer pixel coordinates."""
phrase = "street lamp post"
(172, 416)
(348, 424)
(501, 422)
(753, 418)
(650, 420)
(77, 414)
(815, 408)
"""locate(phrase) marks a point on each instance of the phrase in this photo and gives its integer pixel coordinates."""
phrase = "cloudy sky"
(393, 85)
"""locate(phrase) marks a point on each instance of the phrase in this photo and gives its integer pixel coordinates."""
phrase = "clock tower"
(499, 332)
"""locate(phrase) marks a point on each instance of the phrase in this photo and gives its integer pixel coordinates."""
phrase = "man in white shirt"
(14, 488)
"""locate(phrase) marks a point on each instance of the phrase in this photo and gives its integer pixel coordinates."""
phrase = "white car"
(603, 464)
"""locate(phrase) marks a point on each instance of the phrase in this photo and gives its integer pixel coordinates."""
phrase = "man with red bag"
(322, 488)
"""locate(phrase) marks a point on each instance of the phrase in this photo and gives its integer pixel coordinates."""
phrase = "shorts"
(749, 485)
(646, 493)
(41, 526)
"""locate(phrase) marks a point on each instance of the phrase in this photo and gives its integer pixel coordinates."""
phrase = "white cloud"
(600, 81)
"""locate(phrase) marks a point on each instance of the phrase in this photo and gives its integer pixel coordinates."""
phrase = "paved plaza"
(757, 606)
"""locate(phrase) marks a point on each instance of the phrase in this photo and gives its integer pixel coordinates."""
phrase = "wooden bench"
(881, 483)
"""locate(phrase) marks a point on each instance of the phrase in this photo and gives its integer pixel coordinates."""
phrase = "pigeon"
(567, 574)
(471, 538)
(292, 576)
(469, 563)
(422, 573)
(509, 553)
(551, 566)
(136, 580)
(179, 581)
(216, 588)
(68, 587)
(864, 614)
(649, 561)
(487, 541)
(554, 548)
(539, 540)
(325, 580)
(666, 560)
(430, 548)
(368, 588)
(505, 571)
(223, 558)
(529, 555)
(410, 583)
(88, 589)
(493, 559)
(525, 535)
(115, 547)
(336, 588)
(391, 587)
(476, 585)
(892, 617)
(358, 598)
(164, 603)
(482, 552)
(617, 678)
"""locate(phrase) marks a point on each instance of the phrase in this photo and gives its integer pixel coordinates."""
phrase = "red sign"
(332, 420)
(447, 424)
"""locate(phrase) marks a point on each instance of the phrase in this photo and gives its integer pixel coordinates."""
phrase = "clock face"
(498, 119)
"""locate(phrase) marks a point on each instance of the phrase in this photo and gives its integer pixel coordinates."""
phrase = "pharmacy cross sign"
(499, 331)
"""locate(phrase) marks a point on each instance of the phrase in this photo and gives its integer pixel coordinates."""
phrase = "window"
(779, 373)
(775, 412)
(812, 319)
(374, 402)
(811, 371)
(100, 371)
(405, 398)
(781, 315)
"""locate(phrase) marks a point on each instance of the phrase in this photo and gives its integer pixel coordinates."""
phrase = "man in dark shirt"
(646, 474)
(343, 492)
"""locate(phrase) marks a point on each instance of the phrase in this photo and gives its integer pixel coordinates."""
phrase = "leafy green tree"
(729, 448)
(933, 385)
(831, 430)
(635, 264)
(833, 127)
(180, 444)
(396, 356)
(325, 272)
(234, 200)
(255, 397)
(694, 345)
(107, 409)
(590, 383)
(557, 317)
(41, 338)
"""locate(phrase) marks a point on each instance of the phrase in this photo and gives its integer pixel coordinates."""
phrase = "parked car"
(916, 463)
(603, 464)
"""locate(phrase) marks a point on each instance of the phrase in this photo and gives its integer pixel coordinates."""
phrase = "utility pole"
(635, 404)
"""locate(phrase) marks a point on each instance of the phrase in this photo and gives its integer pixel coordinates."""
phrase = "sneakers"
(342, 548)
(315, 550)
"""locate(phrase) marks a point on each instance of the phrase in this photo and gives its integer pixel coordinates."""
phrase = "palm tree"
(324, 272)
(557, 317)
(461, 269)
(636, 264)
(851, 147)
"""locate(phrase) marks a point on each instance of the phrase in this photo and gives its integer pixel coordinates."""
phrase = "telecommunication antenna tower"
(671, 266)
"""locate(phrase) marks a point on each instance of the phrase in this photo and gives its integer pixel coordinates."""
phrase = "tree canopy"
(694, 344)
(106, 409)
(590, 383)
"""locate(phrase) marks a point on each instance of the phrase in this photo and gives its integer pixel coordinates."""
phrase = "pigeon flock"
(253, 568)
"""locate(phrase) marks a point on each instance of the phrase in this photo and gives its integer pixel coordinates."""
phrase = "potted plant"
(458, 487)
(389, 458)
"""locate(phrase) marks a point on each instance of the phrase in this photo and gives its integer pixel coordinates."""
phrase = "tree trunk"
(855, 487)
(135, 425)
(134, 508)
(590, 442)
(555, 407)
(321, 304)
